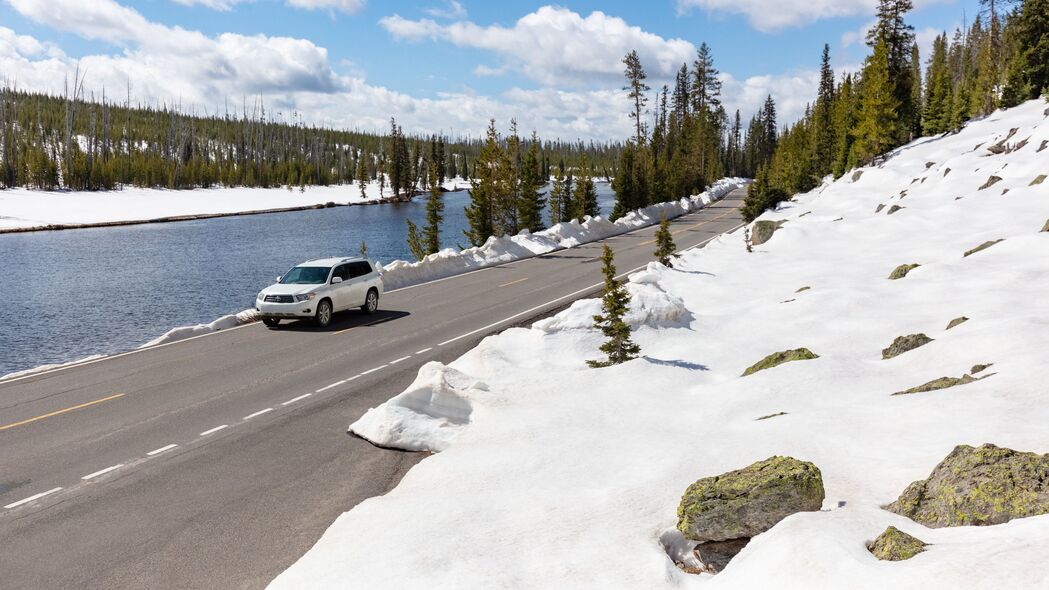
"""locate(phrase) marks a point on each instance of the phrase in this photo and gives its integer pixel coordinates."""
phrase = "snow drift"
(569, 477)
(223, 323)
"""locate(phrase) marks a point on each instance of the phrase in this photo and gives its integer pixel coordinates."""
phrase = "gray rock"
(879, 208)
(1039, 180)
(941, 383)
(956, 321)
(1046, 226)
(762, 231)
(895, 545)
(991, 182)
(978, 486)
(894, 209)
(856, 175)
(981, 247)
(715, 555)
(901, 271)
(749, 501)
(778, 358)
(904, 343)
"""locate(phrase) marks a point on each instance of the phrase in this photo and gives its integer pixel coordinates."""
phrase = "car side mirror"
(336, 280)
(279, 278)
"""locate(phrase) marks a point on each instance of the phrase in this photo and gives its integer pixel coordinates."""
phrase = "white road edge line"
(379, 368)
(563, 297)
(102, 471)
(259, 413)
(425, 350)
(327, 387)
(30, 499)
(295, 399)
(213, 430)
(147, 349)
(161, 450)
(403, 358)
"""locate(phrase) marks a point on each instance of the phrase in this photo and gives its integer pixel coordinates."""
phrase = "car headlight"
(305, 297)
(259, 297)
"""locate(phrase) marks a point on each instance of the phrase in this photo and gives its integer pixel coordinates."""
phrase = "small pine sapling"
(364, 249)
(415, 241)
(665, 246)
(614, 307)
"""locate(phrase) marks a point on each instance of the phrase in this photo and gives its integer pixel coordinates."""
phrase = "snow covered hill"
(554, 475)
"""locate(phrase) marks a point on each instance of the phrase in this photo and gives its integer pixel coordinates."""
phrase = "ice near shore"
(569, 477)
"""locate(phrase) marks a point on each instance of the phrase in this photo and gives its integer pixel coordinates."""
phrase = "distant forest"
(69, 142)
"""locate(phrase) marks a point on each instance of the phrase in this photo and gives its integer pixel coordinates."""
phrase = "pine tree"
(824, 118)
(434, 211)
(936, 117)
(878, 107)
(636, 91)
(531, 201)
(415, 241)
(584, 199)
(362, 174)
(488, 189)
(364, 249)
(1028, 75)
(665, 246)
(898, 37)
(615, 304)
(631, 181)
(557, 192)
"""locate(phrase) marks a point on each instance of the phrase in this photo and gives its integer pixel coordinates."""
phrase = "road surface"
(218, 461)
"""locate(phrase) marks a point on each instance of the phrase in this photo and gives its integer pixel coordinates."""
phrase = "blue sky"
(437, 64)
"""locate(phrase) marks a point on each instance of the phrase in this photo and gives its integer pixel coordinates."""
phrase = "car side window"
(359, 269)
(340, 271)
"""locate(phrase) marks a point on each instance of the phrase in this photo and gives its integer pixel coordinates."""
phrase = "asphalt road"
(218, 461)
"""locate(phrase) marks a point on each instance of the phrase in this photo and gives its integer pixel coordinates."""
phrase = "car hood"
(282, 289)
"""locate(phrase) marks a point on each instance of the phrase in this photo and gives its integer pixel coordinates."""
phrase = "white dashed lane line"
(259, 413)
(403, 358)
(213, 430)
(161, 450)
(31, 498)
(102, 471)
(425, 350)
(327, 387)
(295, 399)
(379, 368)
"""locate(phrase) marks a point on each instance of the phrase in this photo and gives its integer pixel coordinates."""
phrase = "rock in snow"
(762, 231)
(901, 271)
(903, 344)
(895, 545)
(978, 486)
(778, 358)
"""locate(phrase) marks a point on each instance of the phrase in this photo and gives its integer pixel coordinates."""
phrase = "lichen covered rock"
(894, 209)
(749, 501)
(956, 322)
(941, 383)
(762, 231)
(979, 486)
(895, 545)
(982, 246)
(991, 182)
(778, 358)
(901, 271)
(1038, 180)
(903, 344)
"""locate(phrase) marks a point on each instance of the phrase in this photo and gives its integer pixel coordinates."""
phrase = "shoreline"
(199, 216)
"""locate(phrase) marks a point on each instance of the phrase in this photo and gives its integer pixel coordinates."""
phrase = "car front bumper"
(303, 309)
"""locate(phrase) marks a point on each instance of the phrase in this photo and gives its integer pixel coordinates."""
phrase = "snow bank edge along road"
(449, 262)
(564, 476)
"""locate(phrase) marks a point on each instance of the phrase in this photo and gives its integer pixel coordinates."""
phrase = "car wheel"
(271, 322)
(323, 317)
(371, 302)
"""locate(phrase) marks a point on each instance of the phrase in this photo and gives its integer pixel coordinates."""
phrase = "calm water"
(73, 293)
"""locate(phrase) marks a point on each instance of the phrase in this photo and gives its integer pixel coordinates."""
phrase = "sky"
(444, 66)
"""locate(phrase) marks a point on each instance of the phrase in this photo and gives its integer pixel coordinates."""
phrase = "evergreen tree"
(557, 197)
(362, 174)
(665, 246)
(898, 37)
(631, 182)
(615, 304)
(936, 116)
(1028, 75)
(824, 118)
(364, 249)
(878, 107)
(434, 211)
(584, 199)
(636, 91)
(415, 241)
(488, 189)
(531, 201)
(761, 196)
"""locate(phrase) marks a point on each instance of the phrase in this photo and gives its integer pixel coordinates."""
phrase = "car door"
(359, 282)
(341, 293)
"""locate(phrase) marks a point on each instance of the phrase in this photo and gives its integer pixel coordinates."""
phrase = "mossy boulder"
(895, 545)
(978, 486)
(903, 344)
(778, 358)
(941, 383)
(1038, 180)
(981, 247)
(762, 231)
(901, 271)
(894, 209)
(749, 501)
(980, 368)
(956, 322)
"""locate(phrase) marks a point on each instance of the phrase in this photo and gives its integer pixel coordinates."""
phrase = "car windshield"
(306, 275)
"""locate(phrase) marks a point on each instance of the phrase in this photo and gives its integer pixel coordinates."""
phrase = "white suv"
(318, 288)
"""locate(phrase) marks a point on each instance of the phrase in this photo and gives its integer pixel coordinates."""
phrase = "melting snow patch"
(223, 323)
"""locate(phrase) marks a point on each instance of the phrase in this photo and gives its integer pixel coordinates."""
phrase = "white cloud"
(347, 6)
(556, 45)
(452, 10)
(223, 5)
(770, 15)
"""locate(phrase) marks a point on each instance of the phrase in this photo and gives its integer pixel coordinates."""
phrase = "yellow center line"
(56, 413)
(514, 282)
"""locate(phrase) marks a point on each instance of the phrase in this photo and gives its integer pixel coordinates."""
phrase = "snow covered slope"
(569, 477)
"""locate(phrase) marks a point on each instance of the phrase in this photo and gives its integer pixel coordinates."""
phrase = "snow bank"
(504, 249)
(569, 477)
(23, 208)
(223, 323)
(428, 416)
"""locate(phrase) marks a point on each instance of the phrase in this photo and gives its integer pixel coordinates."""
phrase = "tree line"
(1001, 60)
(75, 142)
